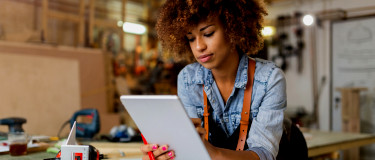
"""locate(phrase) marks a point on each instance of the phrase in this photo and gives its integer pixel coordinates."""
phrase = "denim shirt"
(267, 104)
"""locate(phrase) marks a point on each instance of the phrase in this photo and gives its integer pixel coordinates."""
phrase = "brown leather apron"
(237, 140)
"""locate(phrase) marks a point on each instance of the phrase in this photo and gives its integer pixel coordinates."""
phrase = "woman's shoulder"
(264, 69)
(192, 67)
(192, 73)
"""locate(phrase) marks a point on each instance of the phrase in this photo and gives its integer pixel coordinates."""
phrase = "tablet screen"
(162, 120)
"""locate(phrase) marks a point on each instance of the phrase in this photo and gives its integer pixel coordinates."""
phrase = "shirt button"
(213, 101)
(226, 120)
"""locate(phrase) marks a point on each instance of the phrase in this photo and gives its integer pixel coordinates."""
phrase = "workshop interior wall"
(61, 81)
(17, 21)
(44, 90)
(21, 22)
(322, 41)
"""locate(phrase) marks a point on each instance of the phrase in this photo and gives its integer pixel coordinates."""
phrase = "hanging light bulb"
(308, 20)
(134, 28)
(268, 31)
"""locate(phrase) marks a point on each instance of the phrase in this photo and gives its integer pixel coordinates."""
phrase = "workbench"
(115, 151)
(321, 143)
(30, 156)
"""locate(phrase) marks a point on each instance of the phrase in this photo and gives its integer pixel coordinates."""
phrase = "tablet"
(162, 119)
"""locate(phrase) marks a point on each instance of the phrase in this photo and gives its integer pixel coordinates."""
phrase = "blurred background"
(61, 56)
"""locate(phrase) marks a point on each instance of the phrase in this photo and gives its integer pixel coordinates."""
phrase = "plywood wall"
(43, 90)
(68, 79)
(17, 22)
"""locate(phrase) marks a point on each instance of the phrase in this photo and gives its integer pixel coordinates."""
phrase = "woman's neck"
(225, 76)
(227, 71)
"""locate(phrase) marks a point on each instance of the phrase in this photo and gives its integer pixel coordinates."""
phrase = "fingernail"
(164, 148)
(170, 154)
(171, 158)
(154, 147)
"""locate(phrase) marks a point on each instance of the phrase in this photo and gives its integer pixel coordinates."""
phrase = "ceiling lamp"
(268, 31)
(308, 20)
(134, 28)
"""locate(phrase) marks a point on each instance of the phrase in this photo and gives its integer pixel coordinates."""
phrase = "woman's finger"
(196, 121)
(148, 148)
(201, 131)
(161, 150)
(165, 156)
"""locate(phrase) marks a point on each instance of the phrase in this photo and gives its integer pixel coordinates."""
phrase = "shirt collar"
(241, 76)
(204, 75)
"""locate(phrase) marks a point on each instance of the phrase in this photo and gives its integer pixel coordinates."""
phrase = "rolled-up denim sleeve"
(183, 94)
(266, 129)
(262, 153)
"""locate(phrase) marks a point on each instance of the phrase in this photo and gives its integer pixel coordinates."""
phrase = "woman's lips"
(204, 58)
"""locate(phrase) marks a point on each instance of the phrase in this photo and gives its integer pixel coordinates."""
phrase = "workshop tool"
(121, 133)
(72, 151)
(87, 130)
(14, 123)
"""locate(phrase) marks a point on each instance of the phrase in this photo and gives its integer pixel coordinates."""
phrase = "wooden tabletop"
(117, 151)
(114, 151)
(320, 142)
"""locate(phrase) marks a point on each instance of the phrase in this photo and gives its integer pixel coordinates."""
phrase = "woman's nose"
(201, 44)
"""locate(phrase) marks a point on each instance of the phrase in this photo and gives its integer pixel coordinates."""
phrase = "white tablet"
(163, 120)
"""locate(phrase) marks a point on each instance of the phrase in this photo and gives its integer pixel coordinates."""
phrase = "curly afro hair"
(241, 20)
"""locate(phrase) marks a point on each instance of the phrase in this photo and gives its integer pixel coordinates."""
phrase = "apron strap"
(245, 114)
(205, 113)
(244, 123)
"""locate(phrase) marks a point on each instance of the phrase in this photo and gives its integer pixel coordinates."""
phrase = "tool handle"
(150, 155)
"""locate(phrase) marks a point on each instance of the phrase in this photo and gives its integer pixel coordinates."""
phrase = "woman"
(219, 35)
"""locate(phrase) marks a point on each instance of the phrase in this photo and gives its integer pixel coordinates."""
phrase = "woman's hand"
(212, 150)
(160, 153)
(197, 123)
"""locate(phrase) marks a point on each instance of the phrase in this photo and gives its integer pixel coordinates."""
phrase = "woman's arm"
(226, 154)
(266, 129)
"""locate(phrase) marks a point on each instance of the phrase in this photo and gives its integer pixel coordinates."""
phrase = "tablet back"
(163, 120)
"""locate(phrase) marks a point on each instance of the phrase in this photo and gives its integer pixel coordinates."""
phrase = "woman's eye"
(209, 34)
(191, 39)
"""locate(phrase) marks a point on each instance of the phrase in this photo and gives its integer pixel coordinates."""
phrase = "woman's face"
(210, 46)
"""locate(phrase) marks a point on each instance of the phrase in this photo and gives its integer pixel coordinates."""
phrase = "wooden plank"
(81, 24)
(106, 23)
(64, 16)
(44, 20)
(350, 106)
(123, 19)
(91, 22)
